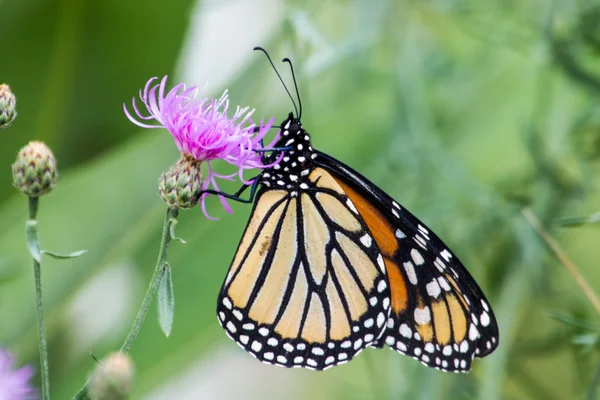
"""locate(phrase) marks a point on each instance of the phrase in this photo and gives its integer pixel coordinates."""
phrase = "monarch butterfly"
(329, 264)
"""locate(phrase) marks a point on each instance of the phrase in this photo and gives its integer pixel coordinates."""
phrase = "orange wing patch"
(399, 291)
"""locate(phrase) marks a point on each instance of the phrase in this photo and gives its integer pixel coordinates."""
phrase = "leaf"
(573, 321)
(173, 222)
(166, 301)
(33, 243)
(587, 340)
(65, 256)
(578, 221)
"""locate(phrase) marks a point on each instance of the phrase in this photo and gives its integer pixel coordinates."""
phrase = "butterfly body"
(329, 264)
(292, 171)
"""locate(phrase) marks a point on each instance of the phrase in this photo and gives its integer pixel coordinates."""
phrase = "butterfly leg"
(236, 195)
(274, 149)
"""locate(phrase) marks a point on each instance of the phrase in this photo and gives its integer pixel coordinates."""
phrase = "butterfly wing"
(439, 314)
(307, 286)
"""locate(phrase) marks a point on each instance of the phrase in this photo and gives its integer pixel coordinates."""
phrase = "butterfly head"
(295, 165)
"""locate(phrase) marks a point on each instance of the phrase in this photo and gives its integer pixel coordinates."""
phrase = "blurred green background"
(465, 111)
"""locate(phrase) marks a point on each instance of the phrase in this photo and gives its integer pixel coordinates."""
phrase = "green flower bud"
(112, 379)
(8, 106)
(34, 172)
(180, 186)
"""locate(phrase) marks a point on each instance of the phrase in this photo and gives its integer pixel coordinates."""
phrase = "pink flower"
(14, 383)
(202, 129)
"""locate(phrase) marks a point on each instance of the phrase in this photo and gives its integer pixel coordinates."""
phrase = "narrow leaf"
(33, 244)
(172, 231)
(588, 340)
(166, 301)
(578, 221)
(65, 256)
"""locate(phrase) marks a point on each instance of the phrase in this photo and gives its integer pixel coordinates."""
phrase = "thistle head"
(113, 378)
(181, 185)
(203, 130)
(34, 171)
(8, 106)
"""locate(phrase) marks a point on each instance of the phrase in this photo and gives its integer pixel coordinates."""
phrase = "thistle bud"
(8, 106)
(112, 379)
(181, 185)
(34, 171)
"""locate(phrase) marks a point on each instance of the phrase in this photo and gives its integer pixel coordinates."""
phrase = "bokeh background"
(467, 112)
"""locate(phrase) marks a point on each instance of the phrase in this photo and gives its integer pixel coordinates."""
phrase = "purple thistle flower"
(14, 383)
(202, 129)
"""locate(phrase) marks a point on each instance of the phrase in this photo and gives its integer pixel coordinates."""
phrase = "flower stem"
(170, 218)
(153, 287)
(33, 207)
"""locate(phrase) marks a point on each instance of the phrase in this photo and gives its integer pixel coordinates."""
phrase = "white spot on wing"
(446, 254)
(410, 272)
(429, 347)
(237, 314)
(417, 257)
(351, 206)
(485, 319)
(444, 283)
(318, 351)
(422, 315)
(227, 303)
(366, 240)
(433, 289)
(256, 346)
(405, 331)
(380, 263)
(231, 327)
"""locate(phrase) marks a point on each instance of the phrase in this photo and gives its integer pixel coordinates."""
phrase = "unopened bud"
(181, 185)
(112, 379)
(34, 171)
(8, 106)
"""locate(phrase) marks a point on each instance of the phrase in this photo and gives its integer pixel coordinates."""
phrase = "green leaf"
(172, 231)
(74, 254)
(166, 301)
(578, 221)
(33, 243)
(588, 340)
(572, 321)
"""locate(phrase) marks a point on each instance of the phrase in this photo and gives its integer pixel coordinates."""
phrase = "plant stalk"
(37, 273)
(159, 270)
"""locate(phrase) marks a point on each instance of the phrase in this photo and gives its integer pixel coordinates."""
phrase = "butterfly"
(329, 264)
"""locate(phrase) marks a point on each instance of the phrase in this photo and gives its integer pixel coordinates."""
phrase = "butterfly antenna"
(280, 78)
(287, 60)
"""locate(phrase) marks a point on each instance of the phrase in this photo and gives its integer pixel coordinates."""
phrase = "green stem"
(170, 217)
(33, 208)
(153, 287)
